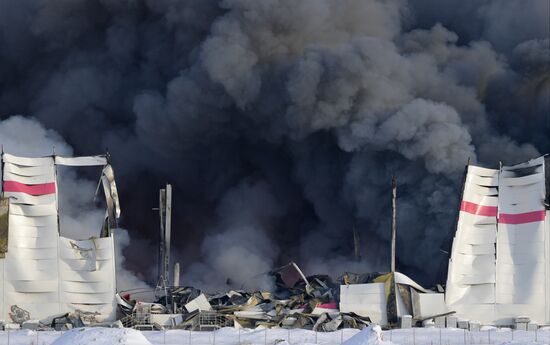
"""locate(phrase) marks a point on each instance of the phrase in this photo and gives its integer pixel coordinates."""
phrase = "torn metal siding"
(471, 276)
(498, 268)
(44, 273)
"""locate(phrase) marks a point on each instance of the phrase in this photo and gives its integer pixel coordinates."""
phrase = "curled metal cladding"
(45, 273)
(497, 269)
(111, 197)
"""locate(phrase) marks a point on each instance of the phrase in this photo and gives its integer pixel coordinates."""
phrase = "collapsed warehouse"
(498, 272)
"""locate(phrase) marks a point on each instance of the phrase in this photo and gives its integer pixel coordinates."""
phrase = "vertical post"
(393, 221)
(356, 244)
(162, 240)
(168, 232)
(176, 282)
(165, 213)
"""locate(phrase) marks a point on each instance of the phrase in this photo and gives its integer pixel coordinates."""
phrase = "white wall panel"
(35, 276)
(26, 171)
(28, 162)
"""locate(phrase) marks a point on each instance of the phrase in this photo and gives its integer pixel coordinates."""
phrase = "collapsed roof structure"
(499, 267)
(313, 302)
(41, 271)
(498, 271)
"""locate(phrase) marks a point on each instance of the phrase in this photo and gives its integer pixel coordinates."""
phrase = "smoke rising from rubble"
(280, 122)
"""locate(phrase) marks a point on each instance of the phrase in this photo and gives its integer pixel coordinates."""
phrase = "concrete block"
(474, 326)
(439, 322)
(452, 321)
(167, 320)
(463, 324)
(406, 321)
(521, 326)
(12, 326)
(523, 319)
(532, 326)
(30, 325)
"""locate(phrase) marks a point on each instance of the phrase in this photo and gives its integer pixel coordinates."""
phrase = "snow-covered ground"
(230, 336)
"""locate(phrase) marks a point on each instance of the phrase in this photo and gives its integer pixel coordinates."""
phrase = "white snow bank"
(102, 336)
(287, 343)
(371, 335)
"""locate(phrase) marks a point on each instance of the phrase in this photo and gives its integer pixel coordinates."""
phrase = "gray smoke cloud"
(280, 122)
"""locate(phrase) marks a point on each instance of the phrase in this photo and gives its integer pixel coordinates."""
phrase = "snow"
(102, 336)
(231, 336)
(371, 335)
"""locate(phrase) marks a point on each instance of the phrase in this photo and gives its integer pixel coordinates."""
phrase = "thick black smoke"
(280, 122)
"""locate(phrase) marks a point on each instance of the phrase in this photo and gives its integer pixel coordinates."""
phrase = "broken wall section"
(42, 272)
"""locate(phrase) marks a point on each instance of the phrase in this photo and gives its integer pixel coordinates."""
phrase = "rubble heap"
(313, 302)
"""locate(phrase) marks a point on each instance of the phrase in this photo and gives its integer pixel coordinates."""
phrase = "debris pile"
(302, 302)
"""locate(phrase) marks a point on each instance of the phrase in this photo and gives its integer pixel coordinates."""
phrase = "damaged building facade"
(42, 272)
(499, 267)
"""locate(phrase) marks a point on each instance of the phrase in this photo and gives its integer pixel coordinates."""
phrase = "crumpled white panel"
(31, 180)
(33, 242)
(23, 198)
(99, 160)
(21, 170)
(522, 181)
(41, 221)
(87, 287)
(27, 161)
(34, 285)
(34, 210)
(482, 181)
(44, 273)
(483, 172)
(31, 253)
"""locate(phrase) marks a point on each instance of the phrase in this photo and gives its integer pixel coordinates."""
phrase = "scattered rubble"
(315, 303)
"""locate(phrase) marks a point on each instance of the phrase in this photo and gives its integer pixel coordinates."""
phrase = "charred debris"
(314, 302)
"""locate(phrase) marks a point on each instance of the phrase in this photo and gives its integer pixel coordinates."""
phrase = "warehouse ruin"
(498, 271)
